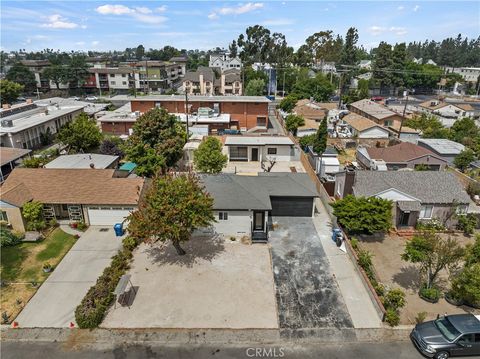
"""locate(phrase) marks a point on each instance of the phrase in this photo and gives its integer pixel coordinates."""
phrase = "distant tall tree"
(349, 52)
(20, 74)
(9, 91)
(208, 157)
(318, 87)
(255, 44)
(77, 70)
(399, 58)
(173, 207)
(320, 141)
(255, 87)
(57, 74)
(139, 52)
(233, 49)
(382, 64)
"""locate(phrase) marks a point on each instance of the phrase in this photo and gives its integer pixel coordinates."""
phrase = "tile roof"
(76, 186)
(402, 152)
(433, 187)
(235, 192)
(8, 154)
(373, 109)
(360, 123)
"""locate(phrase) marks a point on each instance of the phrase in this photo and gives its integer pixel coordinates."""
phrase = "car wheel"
(442, 355)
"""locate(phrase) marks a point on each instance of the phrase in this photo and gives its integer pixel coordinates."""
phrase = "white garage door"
(107, 216)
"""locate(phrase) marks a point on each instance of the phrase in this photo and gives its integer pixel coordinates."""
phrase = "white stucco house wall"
(260, 148)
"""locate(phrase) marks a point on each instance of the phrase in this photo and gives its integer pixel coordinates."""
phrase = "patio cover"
(409, 206)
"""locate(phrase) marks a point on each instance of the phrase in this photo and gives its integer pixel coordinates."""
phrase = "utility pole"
(284, 81)
(186, 110)
(403, 115)
(340, 91)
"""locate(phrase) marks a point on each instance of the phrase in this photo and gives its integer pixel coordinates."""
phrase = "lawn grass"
(23, 264)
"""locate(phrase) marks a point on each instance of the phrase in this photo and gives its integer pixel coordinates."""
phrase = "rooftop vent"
(7, 123)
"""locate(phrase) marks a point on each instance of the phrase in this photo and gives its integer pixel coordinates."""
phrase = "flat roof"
(194, 98)
(88, 107)
(221, 118)
(258, 140)
(84, 160)
(442, 145)
(33, 119)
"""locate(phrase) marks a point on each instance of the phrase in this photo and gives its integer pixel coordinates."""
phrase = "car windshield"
(447, 329)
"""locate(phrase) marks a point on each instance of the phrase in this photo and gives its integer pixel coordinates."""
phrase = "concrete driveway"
(217, 284)
(307, 293)
(54, 303)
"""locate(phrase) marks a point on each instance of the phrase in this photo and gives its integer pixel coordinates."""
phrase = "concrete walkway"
(357, 300)
(55, 301)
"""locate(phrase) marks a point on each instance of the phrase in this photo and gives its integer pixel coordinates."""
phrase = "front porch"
(63, 212)
(407, 214)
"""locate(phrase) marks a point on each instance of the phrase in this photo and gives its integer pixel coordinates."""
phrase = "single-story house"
(449, 110)
(403, 155)
(405, 133)
(260, 148)
(442, 147)
(93, 196)
(362, 127)
(416, 195)
(325, 164)
(9, 158)
(84, 160)
(244, 205)
(376, 112)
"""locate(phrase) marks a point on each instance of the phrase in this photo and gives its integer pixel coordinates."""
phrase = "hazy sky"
(90, 25)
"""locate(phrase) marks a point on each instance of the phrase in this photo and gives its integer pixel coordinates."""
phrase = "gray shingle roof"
(236, 192)
(427, 186)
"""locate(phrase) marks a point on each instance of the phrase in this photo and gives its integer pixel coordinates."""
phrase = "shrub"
(433, 224)
(32, 212)
(395, 299)
(473, 189)
(420, 318)
(82, 226)
(52, 223)
(431, 293)
(365, 261)
(129, 243)
(8, 238)
(379, 288)
(392, 317)
(354, 243)
(467, 223)
(467, 285)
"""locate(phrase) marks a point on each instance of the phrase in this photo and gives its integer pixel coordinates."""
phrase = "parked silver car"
(451, 335)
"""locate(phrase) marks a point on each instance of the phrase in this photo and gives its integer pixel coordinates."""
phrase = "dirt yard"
(217, 284)
(393, 272)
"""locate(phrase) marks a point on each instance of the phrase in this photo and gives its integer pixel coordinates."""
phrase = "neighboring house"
(84, 160)
(362, 127)
(9, 159)
(23, 125)
(313, 113)
(159, 75)
(37, 67)
(365, 64)
(405, 133)
(118, 122)
(117, 79)
(260, 148)
(403, 155)
(244, 205)
(326, 163)
(448, 110)
(203, 81)
(416, 195)
(246, 112)
(443, 148)
(376, 112)
(469, 74)
(224, 62)
(93, 196)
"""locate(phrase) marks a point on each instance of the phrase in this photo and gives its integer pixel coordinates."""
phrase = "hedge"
(91, 311)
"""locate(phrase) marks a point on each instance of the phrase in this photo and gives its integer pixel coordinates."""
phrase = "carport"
(292, 206)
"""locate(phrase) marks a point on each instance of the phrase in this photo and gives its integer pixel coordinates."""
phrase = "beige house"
(376, 112)
(204, 81)
(93, 196)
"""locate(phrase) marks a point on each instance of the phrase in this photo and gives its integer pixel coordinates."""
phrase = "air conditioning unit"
(7, 123)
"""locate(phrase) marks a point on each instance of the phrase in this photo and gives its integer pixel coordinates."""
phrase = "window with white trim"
(426, 211)
(272, 150)
(223, 216)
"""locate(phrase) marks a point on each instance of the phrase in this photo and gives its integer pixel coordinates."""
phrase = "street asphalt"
(393, 350)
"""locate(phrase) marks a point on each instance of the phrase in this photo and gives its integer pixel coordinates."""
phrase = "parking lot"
(217, 284)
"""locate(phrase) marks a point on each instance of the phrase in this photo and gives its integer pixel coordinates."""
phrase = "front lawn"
(22, 265)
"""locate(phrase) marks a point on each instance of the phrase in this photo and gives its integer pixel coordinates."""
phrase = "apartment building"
(204, 81)
(118, 79)
(224, 62)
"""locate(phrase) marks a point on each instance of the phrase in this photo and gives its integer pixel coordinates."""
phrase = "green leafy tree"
(349, 51)
(320, 140)
(319, 88)
(77, 71)
(33, 214)
(306, 141)
(466, 132)
(472, 252)
(140, 52)
(433, 254)
(9, 91)
(208, 157)
(363, 215)
(467, 284)
(173, 207)
(363, 87)
(80, 135)
(289, 102)
(381, 65)
(467, 223)
(293, 122)
(255, 87)
(464, 158)
(58, 74)
(20, 74)
(156, 143)
(399, 58)
(429, 124)
(112, 146)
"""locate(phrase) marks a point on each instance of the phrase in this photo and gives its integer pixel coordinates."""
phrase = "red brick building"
(245, 111)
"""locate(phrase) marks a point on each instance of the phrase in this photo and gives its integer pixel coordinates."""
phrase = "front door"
(258, 221)
(254, 154)
(404, 219)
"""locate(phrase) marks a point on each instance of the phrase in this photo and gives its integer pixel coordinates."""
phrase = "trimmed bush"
(392, 317)
(466, 285)
(365, 261)
(395, 299)
(82, 226)
(129, 243)
(430, 294)
(467, 223)
(8, 238)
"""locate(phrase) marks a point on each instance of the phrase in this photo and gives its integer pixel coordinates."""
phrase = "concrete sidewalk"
(357, 299)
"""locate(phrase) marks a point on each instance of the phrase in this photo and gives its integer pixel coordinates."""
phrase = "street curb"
(204, 336)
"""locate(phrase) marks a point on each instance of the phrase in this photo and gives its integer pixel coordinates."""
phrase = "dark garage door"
(292, 206)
